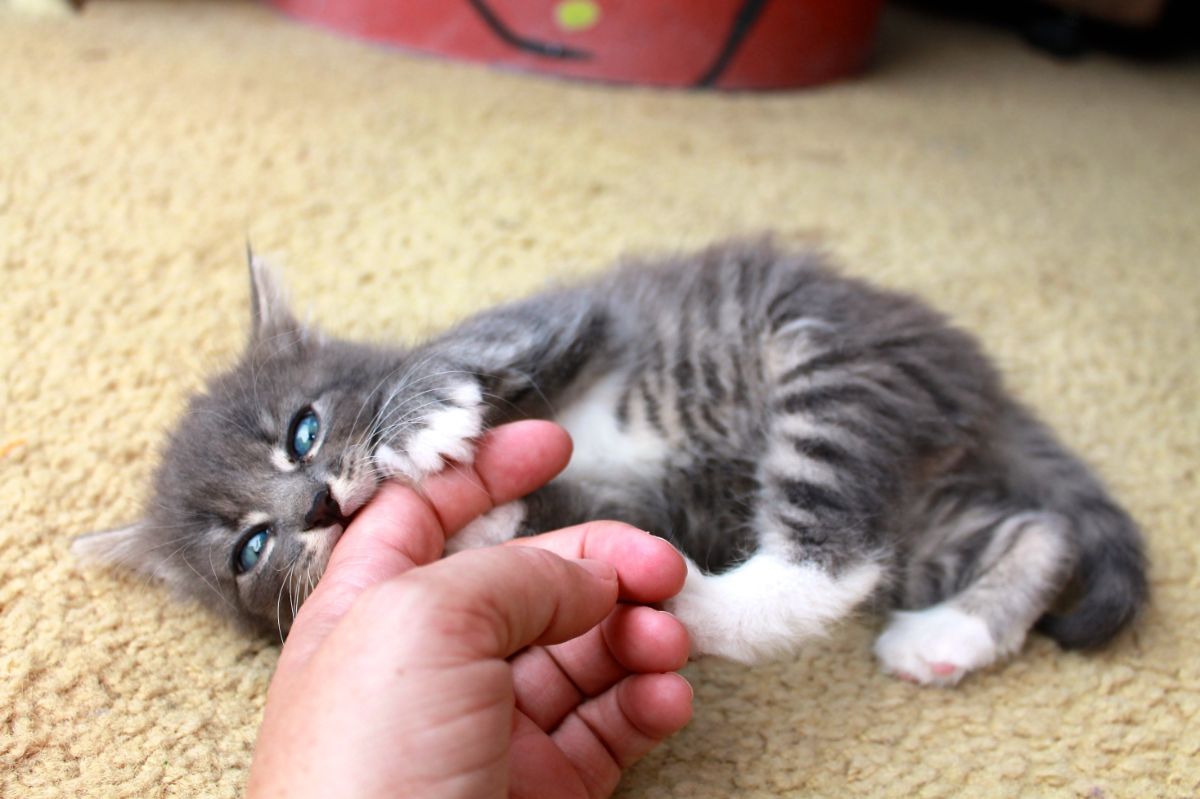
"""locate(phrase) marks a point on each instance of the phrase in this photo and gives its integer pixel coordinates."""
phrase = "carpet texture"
(1053, 209)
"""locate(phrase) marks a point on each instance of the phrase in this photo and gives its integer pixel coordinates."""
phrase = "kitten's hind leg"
(826, 474)
(999, 574)
(767, 605)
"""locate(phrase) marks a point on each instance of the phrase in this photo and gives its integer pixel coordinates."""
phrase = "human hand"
(506, 671)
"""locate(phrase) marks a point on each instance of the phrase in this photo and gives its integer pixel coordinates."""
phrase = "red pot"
(730, 44)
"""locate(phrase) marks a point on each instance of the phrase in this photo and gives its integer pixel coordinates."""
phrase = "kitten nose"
(324, 511)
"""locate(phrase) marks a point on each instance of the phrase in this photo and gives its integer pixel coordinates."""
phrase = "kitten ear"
(269, 313)
(130, 548)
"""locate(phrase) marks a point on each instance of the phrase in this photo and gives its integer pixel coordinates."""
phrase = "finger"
(537, 768)
(490, 603)
(549, 682)
(616, 729)
(613, 731)
(512, 461)
(401, 527)
(650, 569)
(643, 639)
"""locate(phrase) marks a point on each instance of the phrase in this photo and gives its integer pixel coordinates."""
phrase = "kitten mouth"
(321, 550)
(350, 510)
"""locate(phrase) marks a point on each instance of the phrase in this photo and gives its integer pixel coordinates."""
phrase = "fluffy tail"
(1109, 582)
(1111, 573)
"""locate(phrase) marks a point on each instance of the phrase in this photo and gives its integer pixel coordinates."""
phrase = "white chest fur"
(605, 450)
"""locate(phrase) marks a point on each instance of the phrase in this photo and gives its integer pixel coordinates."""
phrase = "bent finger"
(616, 729)
(491, 603)
(513, 460)
(536, 766)
(549, 682)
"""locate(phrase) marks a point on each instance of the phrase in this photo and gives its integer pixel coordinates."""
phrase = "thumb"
(489, 604)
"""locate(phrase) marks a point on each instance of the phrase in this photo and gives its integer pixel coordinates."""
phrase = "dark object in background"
(1069, 28)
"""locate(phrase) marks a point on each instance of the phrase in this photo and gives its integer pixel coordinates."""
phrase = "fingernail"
(599, 568)
(691, 691)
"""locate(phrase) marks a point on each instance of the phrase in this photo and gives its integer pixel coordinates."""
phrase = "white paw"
(935, 646)
(765, 607)
(498, 525)
(446, 434)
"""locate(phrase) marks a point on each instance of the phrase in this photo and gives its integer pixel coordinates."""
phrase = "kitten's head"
(261, 475)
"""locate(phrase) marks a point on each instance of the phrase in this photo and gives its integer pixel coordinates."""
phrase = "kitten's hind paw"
(936, 646)
(445, 434)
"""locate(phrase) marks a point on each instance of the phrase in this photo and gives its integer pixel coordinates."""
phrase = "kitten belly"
(607, 451)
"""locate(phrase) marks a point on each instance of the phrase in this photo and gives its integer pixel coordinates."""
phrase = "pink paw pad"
(943, 669)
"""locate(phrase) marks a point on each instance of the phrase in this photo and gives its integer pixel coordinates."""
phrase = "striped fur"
(811, 443)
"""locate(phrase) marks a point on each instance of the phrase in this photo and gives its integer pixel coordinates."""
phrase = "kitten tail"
(1112, 571)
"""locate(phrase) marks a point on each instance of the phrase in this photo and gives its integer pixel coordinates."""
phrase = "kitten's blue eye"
(251, 550)
(305, 427)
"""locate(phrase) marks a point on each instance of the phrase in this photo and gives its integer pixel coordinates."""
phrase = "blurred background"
(1030, 169)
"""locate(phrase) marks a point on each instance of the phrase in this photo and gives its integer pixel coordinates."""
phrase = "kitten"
(811, 443)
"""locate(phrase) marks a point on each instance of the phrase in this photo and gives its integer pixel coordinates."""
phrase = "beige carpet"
(1054, 209)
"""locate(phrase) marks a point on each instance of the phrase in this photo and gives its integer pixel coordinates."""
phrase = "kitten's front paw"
(446, 433)
(935, 646)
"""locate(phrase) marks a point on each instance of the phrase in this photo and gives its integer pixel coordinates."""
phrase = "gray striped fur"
(848, 424)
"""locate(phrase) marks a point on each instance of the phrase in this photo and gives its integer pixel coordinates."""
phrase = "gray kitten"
(811, 443)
